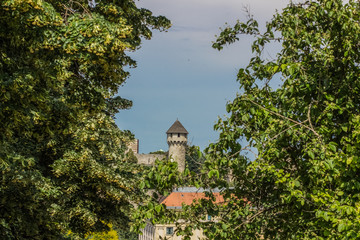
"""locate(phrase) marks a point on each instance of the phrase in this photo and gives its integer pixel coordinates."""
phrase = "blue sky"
(180, 76)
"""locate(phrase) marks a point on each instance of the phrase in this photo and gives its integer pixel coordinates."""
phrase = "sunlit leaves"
(62, 158)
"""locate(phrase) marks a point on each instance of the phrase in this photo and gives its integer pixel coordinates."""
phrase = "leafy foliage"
(113, 234)
(194, 158)
(62, 158)
(303, 180)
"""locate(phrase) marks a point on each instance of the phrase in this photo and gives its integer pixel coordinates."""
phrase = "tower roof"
(177, 127)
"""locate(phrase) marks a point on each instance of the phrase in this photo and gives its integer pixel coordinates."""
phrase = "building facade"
(178, 197)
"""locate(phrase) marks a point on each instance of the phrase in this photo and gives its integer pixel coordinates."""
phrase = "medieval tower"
(177, 140)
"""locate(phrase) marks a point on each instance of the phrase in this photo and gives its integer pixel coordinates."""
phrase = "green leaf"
(332, 146)
(213, 172)
(158, 208)
(311, 154)
(275, 69)
(149, 215)
(224, 226)
(341, 227)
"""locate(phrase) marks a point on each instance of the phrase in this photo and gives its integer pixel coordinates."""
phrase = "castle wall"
(149, 159)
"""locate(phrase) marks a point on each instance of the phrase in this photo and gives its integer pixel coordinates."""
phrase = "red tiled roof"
(176, 199)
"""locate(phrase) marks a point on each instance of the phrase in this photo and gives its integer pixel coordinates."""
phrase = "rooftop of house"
(189, 195)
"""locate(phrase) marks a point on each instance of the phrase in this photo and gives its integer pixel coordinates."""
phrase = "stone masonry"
(176, 139)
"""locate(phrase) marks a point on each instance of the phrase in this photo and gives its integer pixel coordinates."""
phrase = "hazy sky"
(180, 76)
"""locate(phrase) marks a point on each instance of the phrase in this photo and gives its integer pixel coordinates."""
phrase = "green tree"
(194, 158)
(62, 157)
(304, 180)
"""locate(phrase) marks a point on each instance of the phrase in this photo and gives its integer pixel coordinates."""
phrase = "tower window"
(170, 134)
(169, 231)
(178, 134)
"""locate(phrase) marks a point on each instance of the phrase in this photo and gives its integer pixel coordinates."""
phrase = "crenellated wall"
(176, 137)
(177, 141)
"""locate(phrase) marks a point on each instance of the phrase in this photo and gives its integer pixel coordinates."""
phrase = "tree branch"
(282, 116)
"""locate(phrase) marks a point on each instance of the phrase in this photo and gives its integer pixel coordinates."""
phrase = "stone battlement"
(176, 139)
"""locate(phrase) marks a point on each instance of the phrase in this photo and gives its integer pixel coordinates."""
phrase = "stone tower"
(177, 140)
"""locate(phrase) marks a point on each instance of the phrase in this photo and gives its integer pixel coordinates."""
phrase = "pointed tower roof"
(177, 127)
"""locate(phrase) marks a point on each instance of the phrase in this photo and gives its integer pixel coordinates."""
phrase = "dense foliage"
(304, 182)
(112, 234)
(303, 179)
(194, 158)
(62, 158)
